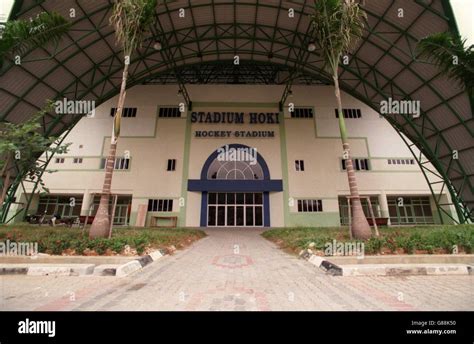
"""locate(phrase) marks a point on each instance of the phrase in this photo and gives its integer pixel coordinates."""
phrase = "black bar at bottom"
(298, 327)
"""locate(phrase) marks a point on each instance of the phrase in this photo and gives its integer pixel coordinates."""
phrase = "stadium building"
(168, 161)
(244, 81)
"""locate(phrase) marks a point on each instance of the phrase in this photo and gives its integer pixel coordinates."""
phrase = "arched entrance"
(235, 184)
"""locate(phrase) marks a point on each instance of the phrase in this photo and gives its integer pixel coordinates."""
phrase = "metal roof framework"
(87, 65)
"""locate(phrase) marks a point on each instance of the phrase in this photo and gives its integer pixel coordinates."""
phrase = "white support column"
(86, 200)
(384, 205)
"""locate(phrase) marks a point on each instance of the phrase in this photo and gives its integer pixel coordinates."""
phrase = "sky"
(464, 13)
(5, 6)
(463, 10)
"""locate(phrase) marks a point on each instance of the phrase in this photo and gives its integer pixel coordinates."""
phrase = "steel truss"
(224, 72)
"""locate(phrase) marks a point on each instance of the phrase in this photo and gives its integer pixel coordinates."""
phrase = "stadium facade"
(279, 168)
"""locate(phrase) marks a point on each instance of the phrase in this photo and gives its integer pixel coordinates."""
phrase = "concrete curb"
(105, 270)
(13, 270)
(387, 269)
(405, 269)
(138, 264)
(81, 269)
(323, 264)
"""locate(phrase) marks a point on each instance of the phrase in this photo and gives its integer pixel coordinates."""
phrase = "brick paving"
(235, 269)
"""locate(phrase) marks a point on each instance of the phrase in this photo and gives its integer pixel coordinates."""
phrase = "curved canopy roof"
(273, 49)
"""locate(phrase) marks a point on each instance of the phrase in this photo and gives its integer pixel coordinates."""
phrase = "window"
(299, 165)
(235, 170)
(160, 205)
(120, 163)
(302, 113)
(409, 210)
(401, 161)
(126, 112)
(349, 113)
(65, 206)
(169, 112)
(310, 205)
(59, 161)
(171, 165)
(77, 161)
(344, 212)
(360, 164)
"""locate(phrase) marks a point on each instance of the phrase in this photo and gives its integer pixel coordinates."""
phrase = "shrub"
(117, 245)
(465, 240)
(140, 244)
(391, 244)
(429, 248)
(374, 245)
(79, 246)
(59, 239)
(406, 243)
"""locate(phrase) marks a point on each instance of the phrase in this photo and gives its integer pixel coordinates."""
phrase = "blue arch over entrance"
(213, 156)
(205, 185)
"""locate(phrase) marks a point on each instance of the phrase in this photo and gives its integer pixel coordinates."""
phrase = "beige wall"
(152, 140)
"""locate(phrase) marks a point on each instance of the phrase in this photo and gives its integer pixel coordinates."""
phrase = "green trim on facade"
(134, 136)
(236, 104)
(79, 156)
(84, 170)
(184, 179)
(339, 139)
(284, 170)
(396, 158)
(446, 220)
(316, 197)
(322, 219)
(133, 217)
(334, 137)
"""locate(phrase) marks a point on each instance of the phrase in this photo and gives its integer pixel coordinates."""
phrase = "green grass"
(61, 240)
(392, 240)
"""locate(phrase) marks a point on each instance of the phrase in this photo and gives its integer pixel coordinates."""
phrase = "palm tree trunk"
(101, 225)
(360, 228)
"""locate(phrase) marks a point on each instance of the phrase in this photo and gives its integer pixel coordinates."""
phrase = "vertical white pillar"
(86, 200)
(383, 205)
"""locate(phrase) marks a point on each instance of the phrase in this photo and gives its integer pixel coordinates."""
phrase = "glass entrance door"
(235, 209)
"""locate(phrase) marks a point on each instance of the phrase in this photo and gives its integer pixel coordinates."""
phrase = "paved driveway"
(235, 269)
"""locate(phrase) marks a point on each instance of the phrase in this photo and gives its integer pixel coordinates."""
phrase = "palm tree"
(17, 36)
(338, 26)
(130, 19)
(449, 53)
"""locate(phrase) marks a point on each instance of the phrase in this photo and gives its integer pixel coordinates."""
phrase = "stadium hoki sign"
(235, 118)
